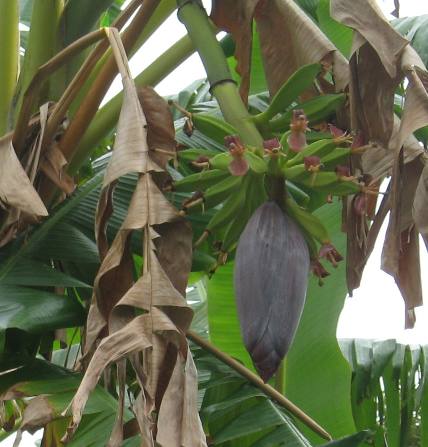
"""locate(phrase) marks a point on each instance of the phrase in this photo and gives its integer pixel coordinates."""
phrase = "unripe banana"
(230, 209)
(318, 148)
(218, 193)
(336, 157)
(255, 195)
(257, 164)
(307, 221)
(200, 181)
(195, 153)
(212, 126)
(221, 161)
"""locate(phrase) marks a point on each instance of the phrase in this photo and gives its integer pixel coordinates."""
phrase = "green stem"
(42, 45)
(195, 19)
(106, 118)
(9, 57)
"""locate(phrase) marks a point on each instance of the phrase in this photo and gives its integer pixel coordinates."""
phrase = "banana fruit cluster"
(237, 181)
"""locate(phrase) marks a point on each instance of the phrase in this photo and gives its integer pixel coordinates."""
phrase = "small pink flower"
(272, 146)
(312, 163)
(238, 166)
(329, 252)
(298, 127)
(318, 270)
(336, 132)
(342, 171)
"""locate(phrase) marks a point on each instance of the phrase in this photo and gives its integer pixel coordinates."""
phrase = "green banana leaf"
(318, 378)
(34, 310)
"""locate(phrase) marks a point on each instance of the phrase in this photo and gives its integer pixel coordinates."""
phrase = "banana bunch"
(298, 176)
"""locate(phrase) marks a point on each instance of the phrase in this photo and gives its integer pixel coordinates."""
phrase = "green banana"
(231, 208)
(212, 126)
(300, 81)
(193, 154)
(256, 163)
(254, 197)
(337, 156)
(318, 179)
(341, 188)
(318, 148)
(218, 193)
(307, 221)
(316, 109)
(298, 195)
(200, 180)
(221, 161)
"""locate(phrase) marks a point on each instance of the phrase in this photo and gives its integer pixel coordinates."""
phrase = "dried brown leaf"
(53, 166)
(290, 39)
(16, 190)
(236, 17)
(155, 341)
(160, 126)
(420, 209)
(180, 399)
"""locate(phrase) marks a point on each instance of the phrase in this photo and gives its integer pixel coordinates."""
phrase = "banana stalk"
(9, 57)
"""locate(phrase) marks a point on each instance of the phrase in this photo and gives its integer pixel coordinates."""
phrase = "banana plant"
(230, 188)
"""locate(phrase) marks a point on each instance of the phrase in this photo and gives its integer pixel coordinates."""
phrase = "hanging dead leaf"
(144, 322)
(16, 190)
(53, 166)
(420, 210)
(160, 126)
(236, 17)
(290, 39)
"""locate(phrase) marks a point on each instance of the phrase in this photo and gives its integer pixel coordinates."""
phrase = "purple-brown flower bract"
(271, 277)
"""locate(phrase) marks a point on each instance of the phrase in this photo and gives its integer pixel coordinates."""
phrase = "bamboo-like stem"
(40, 77)
(91, 102)
(108, 115)
(195, 19)
(43, 42)
(258, 382)
(9, 57)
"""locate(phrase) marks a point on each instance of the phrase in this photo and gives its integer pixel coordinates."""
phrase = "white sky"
(376, 309)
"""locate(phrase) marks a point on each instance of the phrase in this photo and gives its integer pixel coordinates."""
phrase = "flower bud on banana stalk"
(271, 277)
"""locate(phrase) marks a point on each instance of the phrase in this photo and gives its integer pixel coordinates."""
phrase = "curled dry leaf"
(53, 166)
(143, 322)
(16, 190)
(160, 126)
(381, 58)
(289, 39)
(420, 209)
(271, 277)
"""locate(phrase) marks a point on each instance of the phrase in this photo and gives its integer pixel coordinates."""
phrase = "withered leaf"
(16, 190)
(420, 209)
(290, 39)
(160, 126)
(271, 277)
(236, 17)
(144, 322)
